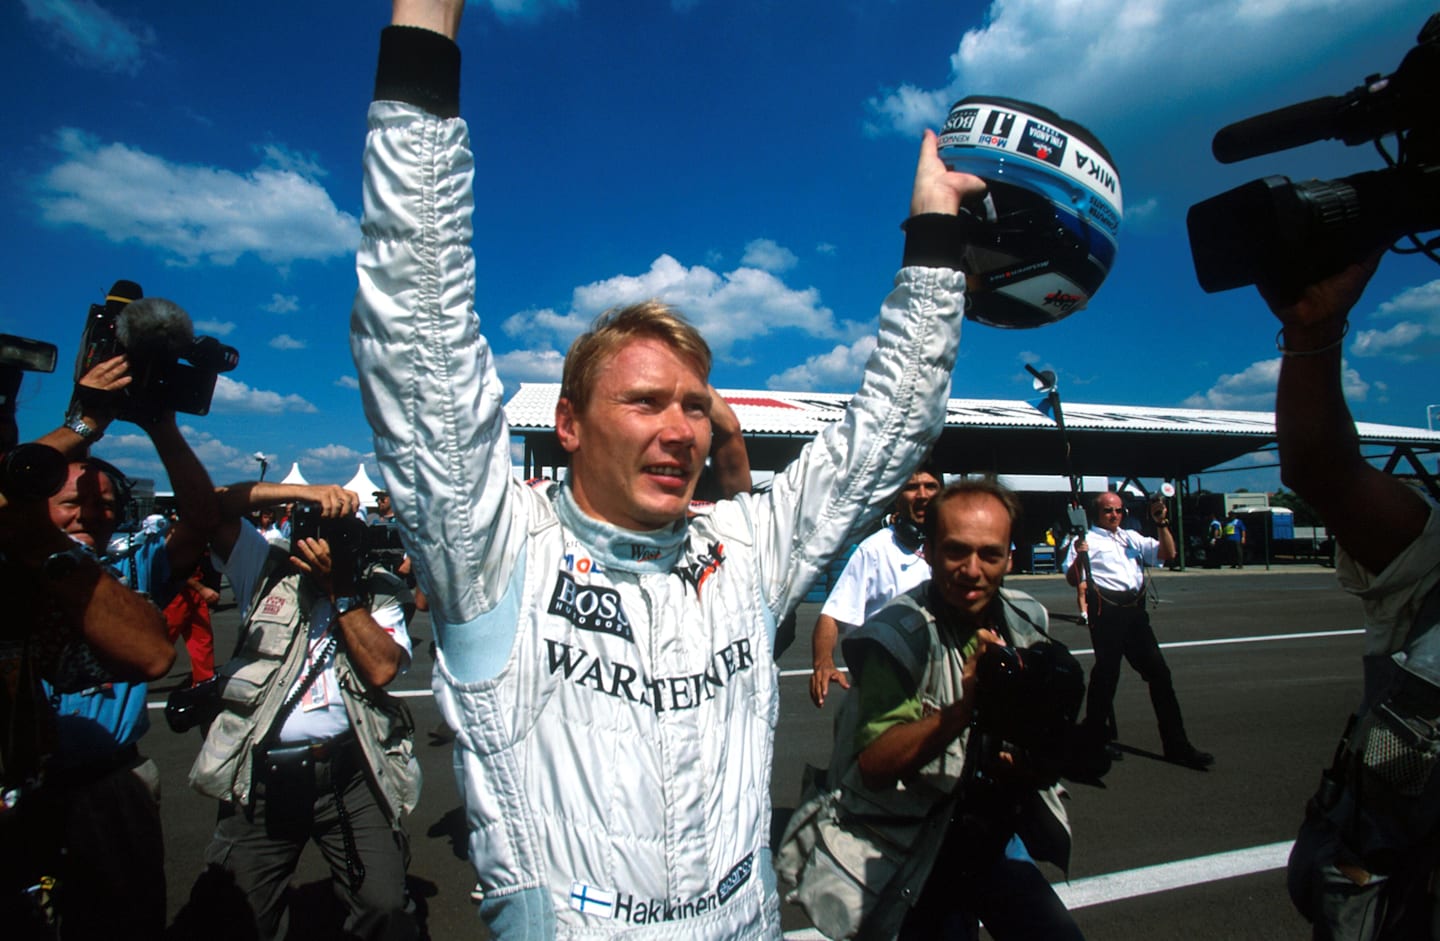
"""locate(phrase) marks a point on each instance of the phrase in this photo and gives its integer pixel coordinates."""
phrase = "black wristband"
(419, 67)
(935, 240)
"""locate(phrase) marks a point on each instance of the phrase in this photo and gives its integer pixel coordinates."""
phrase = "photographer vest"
(268, 661)
(858, 858)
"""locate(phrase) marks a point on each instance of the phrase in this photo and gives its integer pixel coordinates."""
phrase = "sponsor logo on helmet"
(1104, 215)
(1043, 142)
(1063, 301)
(961, 119)
(1096, 170)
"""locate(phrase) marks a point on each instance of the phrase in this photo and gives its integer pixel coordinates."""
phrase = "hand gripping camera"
(1296, 233)
(156, 335)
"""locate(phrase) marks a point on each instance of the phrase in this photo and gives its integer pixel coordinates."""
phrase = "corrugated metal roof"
(765, 412)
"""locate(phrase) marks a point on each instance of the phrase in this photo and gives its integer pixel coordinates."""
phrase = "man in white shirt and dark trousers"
(1120, 624)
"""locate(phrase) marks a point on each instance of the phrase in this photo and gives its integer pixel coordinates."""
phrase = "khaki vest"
(270, 657)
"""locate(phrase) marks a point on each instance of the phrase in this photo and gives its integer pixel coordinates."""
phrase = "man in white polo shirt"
(887, 563)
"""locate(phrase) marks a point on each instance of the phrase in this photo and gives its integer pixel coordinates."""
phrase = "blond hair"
(619, 326)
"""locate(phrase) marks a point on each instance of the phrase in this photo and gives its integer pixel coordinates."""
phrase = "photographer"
(941, 849)
(1365, 862)
(306, 744)
(96, 804)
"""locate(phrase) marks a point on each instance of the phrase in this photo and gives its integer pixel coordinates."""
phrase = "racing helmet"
(1045, 237)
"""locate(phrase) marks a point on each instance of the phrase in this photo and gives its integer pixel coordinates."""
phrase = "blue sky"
(747, 160)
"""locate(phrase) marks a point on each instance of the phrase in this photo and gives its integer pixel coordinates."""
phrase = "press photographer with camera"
(305, 744)
(943, 767)
(92, 808)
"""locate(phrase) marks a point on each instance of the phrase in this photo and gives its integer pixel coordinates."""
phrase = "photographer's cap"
(1052, 219)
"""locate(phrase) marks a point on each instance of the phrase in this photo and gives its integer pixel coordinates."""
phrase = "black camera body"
(26, 470)
(1292, 234)
(1027, 702)
(354, 545)
(156, 335)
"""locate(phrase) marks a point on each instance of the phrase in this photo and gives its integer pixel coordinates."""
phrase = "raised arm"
(856, 465)
(195, 500)
(236, 500)
(438, 16)
(728, 456)
(427, 374)
(1373, 515)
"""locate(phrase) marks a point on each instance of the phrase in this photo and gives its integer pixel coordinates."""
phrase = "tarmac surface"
(1266, 665)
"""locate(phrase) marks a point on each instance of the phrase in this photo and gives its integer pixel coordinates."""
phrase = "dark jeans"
(1010, 897)
(1125, 633)
(261, 858)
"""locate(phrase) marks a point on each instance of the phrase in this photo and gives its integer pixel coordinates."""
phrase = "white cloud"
(729, 309)
(1154, 79)
(1410, 339)
(530, 366)
(348, 382)
(839, 369)
(826, 248)
(528, 10)
(1086, 57)
(285, 341)
(218, 328)
(769, 255)
(135, 455)
(331, 453)
(232, 396)
(1253, 388)
(92, 35)
(193, 213)
(282, 304)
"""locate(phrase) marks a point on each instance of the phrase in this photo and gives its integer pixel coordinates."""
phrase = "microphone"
(1281, 129)
(153, 328)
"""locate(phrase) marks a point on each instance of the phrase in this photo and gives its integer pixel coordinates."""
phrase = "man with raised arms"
(604, 657)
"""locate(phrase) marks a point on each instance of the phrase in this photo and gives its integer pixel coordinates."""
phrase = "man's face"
(915, 496)
(85, 508)
(638, 449)
(1111, 512)
(382, 503)
(970, 552)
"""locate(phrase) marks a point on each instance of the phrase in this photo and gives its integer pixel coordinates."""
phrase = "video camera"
(1296, 233)
(26, 470)
(155, 334)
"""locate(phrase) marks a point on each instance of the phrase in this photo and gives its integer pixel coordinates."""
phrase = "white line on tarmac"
(1117, 886)
(1218, 642)
(1097, 890)
(415, 693)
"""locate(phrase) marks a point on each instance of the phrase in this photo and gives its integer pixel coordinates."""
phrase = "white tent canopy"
(295, 477)
(362, 484)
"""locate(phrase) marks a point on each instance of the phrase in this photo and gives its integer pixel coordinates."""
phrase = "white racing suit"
(613, 691)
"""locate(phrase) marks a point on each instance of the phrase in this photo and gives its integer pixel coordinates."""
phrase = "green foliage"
(1305, 514)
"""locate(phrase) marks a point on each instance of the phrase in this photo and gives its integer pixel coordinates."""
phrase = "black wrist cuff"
(935, 240)
(421, 68)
